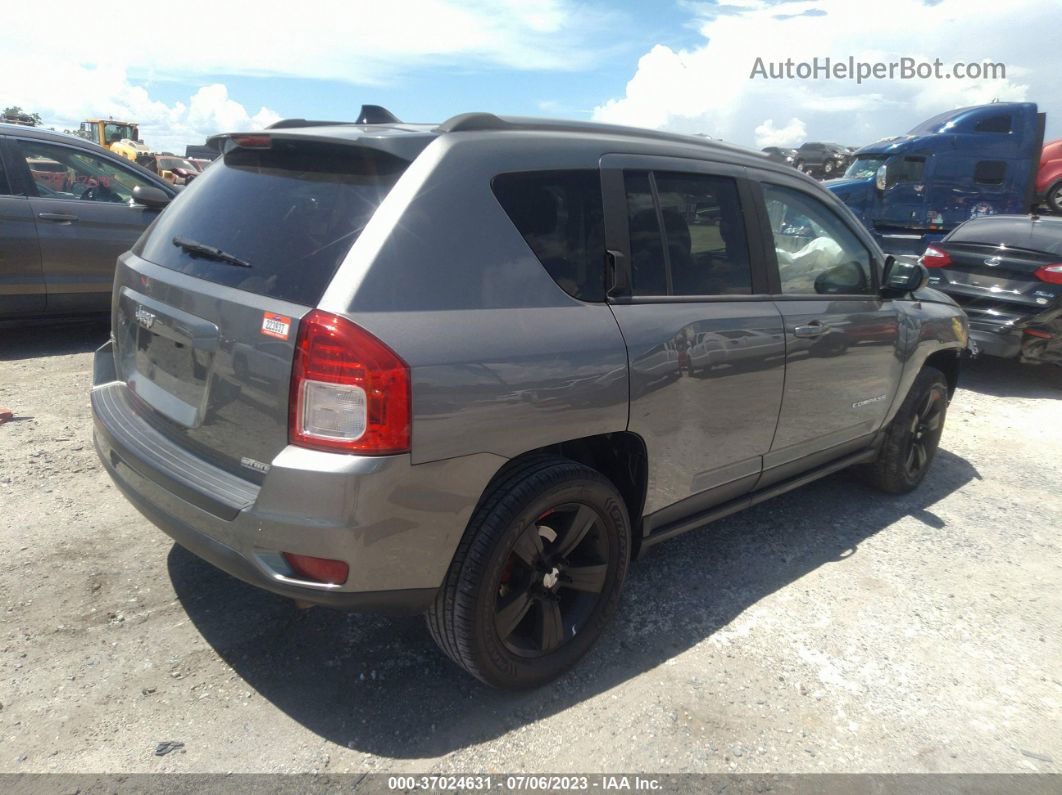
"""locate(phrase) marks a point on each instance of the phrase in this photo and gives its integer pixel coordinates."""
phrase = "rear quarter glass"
(292, 212)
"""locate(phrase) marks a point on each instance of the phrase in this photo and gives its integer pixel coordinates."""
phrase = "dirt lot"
(832, 629)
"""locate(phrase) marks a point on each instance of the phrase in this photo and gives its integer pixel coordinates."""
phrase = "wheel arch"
(947, 361)
(620, 456)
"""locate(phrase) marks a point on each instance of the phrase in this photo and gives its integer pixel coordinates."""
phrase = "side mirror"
(844, 279)
(903, 276)
(881, 177)
(152, 197)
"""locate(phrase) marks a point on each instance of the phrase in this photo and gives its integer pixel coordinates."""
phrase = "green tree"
(15, 113)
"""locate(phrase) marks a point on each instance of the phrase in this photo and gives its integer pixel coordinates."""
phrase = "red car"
(1049, 177)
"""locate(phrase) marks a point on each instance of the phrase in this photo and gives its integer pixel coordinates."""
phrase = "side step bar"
(748, 500)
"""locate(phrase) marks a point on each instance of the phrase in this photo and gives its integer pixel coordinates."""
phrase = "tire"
(912, 437)
(1054, 198)
(828, 167)
(523, 601)
(799, 166)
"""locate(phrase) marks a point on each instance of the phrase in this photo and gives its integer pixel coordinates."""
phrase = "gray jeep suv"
(472, 369)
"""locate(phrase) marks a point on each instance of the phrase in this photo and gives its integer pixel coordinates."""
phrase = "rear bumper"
(1005, 345)
(396, 525)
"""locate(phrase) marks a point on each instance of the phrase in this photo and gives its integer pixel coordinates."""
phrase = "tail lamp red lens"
(326, 570)
(936, 258)
(349, 392)
(1052, 274)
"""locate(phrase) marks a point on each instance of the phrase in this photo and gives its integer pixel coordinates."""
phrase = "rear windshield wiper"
(210, 252)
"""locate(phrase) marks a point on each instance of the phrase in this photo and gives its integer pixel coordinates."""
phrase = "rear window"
(1043, 235)
(291, 212)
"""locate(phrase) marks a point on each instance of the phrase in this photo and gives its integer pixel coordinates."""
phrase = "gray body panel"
(709, 426)
(725, 399)
(22, 289)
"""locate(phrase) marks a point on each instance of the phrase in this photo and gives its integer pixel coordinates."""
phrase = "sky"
(186, 71)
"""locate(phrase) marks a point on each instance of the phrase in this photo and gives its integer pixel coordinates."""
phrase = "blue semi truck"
(913, 189)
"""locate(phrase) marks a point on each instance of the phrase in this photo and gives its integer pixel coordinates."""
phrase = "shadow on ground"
(380, 686)
(34, 339)
(1009, 378)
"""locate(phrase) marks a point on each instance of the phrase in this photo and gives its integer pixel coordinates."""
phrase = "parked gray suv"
(472, 369)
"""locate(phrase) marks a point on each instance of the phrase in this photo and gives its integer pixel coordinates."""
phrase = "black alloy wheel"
(911, 439)
(552, 580)
(538, 573)
(925, 426)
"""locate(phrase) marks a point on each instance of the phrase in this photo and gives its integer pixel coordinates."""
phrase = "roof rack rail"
(468, 122)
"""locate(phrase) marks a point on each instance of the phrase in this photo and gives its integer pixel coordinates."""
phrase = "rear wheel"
(912, 437)
(536, 577)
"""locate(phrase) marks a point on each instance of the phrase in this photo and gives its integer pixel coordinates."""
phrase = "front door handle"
(62, 218)
(812, 329)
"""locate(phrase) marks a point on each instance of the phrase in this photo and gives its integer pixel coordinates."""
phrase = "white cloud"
(708, 88)
(67, 95)
(83, 69)
(793, 134)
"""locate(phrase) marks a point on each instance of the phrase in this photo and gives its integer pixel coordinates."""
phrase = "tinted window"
(705, 234)
(1042, 235)
(61, 172)
(817, 253)
(648, 271)
(906, 169)
(994, 124)
(3, 176)
(990, 172)
(559, 215)
(292, 212)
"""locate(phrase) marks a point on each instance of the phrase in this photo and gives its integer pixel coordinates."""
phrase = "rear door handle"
(812, 329)
(57, 217)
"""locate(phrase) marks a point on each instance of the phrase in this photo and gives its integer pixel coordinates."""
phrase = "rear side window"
(560, 216)
(291, 213)
(990, 172)
(691, 240)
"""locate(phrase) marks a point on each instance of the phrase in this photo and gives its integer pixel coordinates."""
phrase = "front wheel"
(912, 437)
(537, 575)
(1054, 199)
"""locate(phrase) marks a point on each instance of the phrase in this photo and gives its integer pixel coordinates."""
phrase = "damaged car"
(1005, 271)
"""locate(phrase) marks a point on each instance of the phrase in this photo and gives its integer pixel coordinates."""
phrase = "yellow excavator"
(121, 137)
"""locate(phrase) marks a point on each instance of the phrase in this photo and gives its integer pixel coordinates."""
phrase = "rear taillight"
(936, 258)
(349, 391)
(1052, 274)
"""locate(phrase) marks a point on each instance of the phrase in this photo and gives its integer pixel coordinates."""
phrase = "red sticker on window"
(276, 325)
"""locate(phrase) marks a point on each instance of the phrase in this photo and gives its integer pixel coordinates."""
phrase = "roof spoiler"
(369, 114)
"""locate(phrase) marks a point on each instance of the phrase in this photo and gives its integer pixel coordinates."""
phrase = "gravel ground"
(831, 629)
